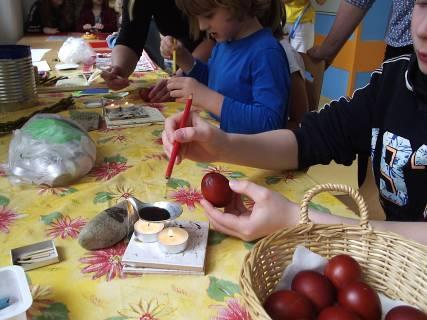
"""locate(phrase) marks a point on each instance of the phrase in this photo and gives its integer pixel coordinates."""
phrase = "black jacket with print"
(386, 120)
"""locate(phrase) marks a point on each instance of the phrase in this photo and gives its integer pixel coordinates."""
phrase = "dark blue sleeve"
(270, 90)
(340, 131)
(200, 72)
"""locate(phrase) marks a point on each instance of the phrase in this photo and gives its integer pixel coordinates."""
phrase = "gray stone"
(107, 228)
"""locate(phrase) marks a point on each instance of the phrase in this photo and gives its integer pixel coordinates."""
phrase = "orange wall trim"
(370, 55)
(345, 58)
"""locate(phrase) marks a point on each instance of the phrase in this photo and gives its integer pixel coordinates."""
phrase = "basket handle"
(355, 195)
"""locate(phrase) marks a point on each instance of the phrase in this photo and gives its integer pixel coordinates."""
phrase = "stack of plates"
(17, 82)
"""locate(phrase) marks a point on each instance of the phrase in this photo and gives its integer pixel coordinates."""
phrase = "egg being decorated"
(216, 190)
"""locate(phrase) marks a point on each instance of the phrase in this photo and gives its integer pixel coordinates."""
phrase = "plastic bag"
(50, 150)
(76, 50)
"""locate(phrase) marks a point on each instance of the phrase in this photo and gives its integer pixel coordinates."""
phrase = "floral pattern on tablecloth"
(91, 284)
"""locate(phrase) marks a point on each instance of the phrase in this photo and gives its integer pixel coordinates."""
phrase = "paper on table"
(41, 65)
(37, 54)
(304, 259)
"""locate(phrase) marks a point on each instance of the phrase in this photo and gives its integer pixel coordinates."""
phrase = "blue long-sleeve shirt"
(253, 75)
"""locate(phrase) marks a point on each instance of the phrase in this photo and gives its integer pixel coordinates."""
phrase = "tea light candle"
(173, 240)
(147, 231)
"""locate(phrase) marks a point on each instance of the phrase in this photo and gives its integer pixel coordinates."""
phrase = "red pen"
(176, 144)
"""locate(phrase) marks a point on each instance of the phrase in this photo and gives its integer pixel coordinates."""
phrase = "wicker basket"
(390, 264)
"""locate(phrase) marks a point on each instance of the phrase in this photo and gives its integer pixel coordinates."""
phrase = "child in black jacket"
(387, 120)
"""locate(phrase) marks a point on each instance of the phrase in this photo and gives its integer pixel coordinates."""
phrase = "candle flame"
(170, 233)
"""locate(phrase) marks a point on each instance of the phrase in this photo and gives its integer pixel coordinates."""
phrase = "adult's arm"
(125, 59)
(348, 17)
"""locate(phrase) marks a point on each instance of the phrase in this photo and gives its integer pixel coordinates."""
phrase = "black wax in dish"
(154, 214)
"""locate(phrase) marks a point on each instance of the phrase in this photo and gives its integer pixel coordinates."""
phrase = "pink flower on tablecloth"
(65, 227)
(7, 217)
(122, 193)
(187, 196)
(41, 300)
(106, 262)
(233, 311)
(158, 141)
(119, 138)
(56, 191)
(107, 170)
(217, 169)
(151, 310)
(2, 173)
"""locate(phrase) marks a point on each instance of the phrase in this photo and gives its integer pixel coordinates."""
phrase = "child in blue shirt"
(245, 84)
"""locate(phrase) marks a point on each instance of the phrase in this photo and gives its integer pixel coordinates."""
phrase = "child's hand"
(181, 88)
(87, 26)
(183, 57)
(200, 141)
(270, 212)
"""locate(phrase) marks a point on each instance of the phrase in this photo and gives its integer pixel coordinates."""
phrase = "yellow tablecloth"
(91, 285)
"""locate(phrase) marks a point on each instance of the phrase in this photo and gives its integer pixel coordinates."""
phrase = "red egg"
(288, 305)
(405, 313)
(361, 299)
(342, 270)
(216, 190)
(337, 313)
(315, 287)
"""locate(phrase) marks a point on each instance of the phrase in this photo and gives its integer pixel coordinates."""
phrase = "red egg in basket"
(405, 313)
(315, 287)
(342, 270)
(289, 305)
(337, 313)
(361, 299)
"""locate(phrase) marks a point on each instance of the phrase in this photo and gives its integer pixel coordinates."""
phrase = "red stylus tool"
(177, 145)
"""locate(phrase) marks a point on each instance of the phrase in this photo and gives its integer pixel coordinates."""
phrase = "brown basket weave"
(391, 264)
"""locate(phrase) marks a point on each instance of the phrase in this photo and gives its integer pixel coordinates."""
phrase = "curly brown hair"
(269, 12)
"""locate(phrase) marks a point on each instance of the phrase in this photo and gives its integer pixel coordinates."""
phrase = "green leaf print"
(237, 175)
(157, 133)
(273, 179)
(55, 311)
(51, 217)
(203, 165)
(68, 191)
(221, 289)
(215, 237)
(102, 197)
(249, 245)
(4, 201)
(117, 159)
(318, 207)
(178, 183)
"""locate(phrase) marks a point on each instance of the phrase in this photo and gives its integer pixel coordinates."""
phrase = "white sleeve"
(296, 64)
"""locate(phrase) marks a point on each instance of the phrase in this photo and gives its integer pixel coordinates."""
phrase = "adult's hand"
(200, 141)
(270, 212)
(114, 78)
(319, 53)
